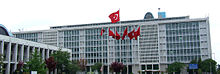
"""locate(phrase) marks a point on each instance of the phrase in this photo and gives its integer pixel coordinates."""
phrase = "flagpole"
(108, 52)
(126, 56)
(119, 33)
(102, 55)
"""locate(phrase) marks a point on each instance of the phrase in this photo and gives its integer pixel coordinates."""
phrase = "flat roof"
(30, 43)
(130, 21)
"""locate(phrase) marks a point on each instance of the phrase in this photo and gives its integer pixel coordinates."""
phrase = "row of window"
(183, 45)
(71, 44)
(183, 38)
(95, 55)
(26, 35)
(71, 32)
(150, 67)
(95, 49)
(93, 61)
(93, 43)
(184, 51)
(182, 25)
(182, 32)
(71, 38)
(182, 58)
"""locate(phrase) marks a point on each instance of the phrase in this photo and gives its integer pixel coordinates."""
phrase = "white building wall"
(16, 50)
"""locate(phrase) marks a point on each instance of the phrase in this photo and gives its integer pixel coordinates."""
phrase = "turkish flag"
(102, 31)
(114, 17)
(111, 33)
(117, 37)
(131, 34)
(137, 33)
(125, 33)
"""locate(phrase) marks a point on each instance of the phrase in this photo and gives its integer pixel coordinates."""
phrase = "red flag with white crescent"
(114, 17)
(117, 36)
(111, 33)
(102, 31)
(137, 33)
(125, 33)
(131, 34)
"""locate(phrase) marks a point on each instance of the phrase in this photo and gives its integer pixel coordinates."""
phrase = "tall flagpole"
(102, 55)
(108, 54)
(119, 33)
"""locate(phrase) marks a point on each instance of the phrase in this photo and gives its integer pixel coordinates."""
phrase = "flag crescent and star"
(115, 18)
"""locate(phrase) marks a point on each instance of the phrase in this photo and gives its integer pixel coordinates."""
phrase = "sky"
(27, 15)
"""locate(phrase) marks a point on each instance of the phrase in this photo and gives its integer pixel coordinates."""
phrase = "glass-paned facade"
(28, 36)
(183, 41)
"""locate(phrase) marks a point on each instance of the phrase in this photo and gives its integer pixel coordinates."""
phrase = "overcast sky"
(41, 14)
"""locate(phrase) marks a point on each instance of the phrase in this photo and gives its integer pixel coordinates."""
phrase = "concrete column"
(108, 71)
(43, 54)
(22, 53)
(52, 51)
(2, 48)
(15, 54)
(33, 50)
(28, 52)
(38, 50)
(47, 55)
(71, 57)
(8, 57)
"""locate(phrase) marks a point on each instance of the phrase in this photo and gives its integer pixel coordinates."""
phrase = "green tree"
(1, 62)
(97, 66)
(209, 65)
(73, 67)
(218, 69)
(199, 71)
(62, 59)
(175, 67)
(36, 63)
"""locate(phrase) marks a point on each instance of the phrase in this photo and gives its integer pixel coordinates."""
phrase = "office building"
(162, 42)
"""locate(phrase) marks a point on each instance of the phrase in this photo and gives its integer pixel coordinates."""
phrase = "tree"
(175, 67)
(82, 64)
(209, 65)
(36, 63)
(50, 63)
(62, 59)
(73, 67)
(218, 69)
(1, 63)
(116, 67)
(20, 65)
(97, 66)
